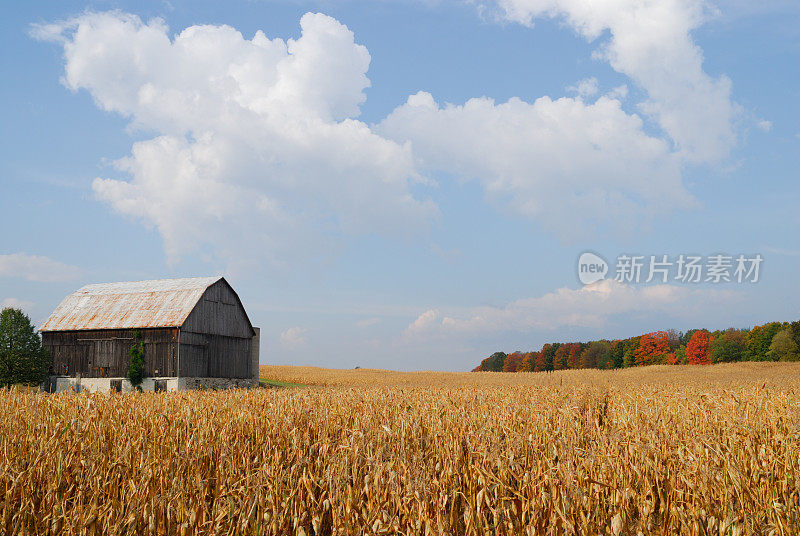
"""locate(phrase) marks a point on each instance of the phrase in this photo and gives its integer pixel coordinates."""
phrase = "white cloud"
(16, 304)
(259, 155)
(258, 152)
(35, 268)
(572, 166)
(293, 337)
(592, 306)
(367, 322)
(764, 125)
(650, 42)
(586, 87)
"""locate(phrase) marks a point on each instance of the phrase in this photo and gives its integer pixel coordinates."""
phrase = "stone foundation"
(75, 384)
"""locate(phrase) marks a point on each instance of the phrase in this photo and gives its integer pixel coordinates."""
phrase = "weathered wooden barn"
(195, 331)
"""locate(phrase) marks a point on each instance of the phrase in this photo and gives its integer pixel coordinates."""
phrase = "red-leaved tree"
(653, 348)
(512, 362)
(697, 349)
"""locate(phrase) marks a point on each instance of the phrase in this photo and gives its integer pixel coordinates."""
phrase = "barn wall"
(215, 340)
(214, 356)
(105, 353)
(218, 312)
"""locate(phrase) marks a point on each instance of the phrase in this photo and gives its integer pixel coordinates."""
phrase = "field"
(656, 450)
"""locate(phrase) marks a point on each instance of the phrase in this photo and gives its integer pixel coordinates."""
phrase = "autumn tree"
(539, 364)
(677, 356)
(561, 357)
(574, 357)
(697, 349)
(674, 337)
(527, 362)
(653, 348)
(596, 355)
(513, 362)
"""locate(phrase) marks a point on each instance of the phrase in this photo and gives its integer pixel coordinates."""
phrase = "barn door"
(103, 356)
(83, 363)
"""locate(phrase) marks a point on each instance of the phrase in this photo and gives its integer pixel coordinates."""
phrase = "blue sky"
(401, 184)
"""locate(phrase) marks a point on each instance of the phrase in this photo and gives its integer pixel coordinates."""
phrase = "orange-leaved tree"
(512, 362)
(698, 348)
(653, 348)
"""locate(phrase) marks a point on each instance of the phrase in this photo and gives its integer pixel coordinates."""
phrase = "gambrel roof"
(137, 304)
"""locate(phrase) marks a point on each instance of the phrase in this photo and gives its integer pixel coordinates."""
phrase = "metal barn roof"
(136, 304)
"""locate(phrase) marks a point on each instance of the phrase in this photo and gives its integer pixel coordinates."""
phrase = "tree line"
(773, 341)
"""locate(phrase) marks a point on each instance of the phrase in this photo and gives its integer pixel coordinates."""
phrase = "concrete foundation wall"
(74, 384)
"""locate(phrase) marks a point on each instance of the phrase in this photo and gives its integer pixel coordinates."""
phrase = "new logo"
(591, 268)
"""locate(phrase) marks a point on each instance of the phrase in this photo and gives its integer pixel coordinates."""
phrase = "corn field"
(697, 450)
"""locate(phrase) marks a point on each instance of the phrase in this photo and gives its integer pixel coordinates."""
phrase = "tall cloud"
(258, 153)
(258, 145)
(651, 42)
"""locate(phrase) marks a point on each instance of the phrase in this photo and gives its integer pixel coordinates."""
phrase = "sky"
(409, 184)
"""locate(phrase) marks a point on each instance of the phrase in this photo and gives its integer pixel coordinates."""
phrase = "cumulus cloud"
(258, 149)
(592, 306)
(35, 268)
(586, 87)
(258, 153)
(650, 42)
(574, 167)
(293, 337)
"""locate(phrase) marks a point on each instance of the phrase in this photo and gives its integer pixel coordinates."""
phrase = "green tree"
(795, 326)
(760, 339)
(783, 347)
(729, 346)
(493, 363)
(23, 359)
(136, 368)
(617, 354)
(630, 347)
(549, 355)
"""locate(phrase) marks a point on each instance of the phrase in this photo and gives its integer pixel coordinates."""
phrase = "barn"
(195, 331)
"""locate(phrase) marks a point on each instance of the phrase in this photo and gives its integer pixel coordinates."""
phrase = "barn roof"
(135, 304)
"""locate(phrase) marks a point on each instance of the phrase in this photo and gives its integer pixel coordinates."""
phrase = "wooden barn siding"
(105, 353)
(215, 340)
(218, 313)
(214, 356)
